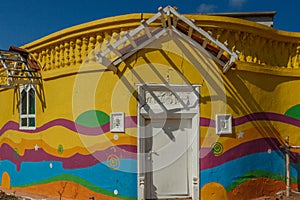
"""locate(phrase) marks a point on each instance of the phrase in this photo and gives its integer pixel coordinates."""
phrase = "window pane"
(23, 102)
(24, 122)
(32, 122)
(31, 101)
(27, 107)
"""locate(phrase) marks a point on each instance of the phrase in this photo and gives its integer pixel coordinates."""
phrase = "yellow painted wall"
(257, 92)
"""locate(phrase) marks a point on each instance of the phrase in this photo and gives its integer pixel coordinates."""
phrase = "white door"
(167, 158)
(168, 142)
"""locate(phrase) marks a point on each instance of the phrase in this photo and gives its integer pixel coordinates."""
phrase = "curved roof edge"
(251, 40)
(133, 20)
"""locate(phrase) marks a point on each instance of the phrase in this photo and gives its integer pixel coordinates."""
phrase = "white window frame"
(27, 116)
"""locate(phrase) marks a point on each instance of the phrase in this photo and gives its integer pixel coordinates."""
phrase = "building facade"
(155, 109)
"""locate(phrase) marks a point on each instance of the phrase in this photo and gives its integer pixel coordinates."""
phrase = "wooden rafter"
(171, 21)
(17, 68)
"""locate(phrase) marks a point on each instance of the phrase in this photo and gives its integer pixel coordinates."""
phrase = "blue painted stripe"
(99, 175)
(231, 171)
(125, 179)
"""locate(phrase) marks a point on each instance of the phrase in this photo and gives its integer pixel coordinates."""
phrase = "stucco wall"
(73, 148)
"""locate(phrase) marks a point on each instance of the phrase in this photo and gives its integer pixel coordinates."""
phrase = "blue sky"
(23, 21)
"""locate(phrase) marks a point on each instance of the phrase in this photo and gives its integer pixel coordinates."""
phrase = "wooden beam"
(132, 42)
(145, 25)
(162, 17)
(23, 82)
(7, 86)
(140, 46)
(169, 19)
(205, 42)
(115, 51)
(175, 20)
(190, 32)
(220, 53)
(106, 62)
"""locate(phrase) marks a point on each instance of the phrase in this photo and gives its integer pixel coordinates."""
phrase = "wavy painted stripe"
(75, 161)
(258, 174)
(130, 122)
(258, 116)
(99, 175)
(78, 180)
(207, 122)
(229, 172)
(232, 173)
(209, 160)
(268, 116)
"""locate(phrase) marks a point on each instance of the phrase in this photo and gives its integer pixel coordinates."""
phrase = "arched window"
(27, 107)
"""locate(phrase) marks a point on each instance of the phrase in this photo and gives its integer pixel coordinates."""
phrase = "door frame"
(145, 111)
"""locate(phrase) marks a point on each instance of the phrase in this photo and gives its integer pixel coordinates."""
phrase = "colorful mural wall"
(72, 152)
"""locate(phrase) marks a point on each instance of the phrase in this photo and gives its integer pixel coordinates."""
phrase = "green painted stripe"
(76, 179)
(258, 174)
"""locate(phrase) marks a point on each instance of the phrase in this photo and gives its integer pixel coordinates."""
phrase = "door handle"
(153, 152)
(150, 154)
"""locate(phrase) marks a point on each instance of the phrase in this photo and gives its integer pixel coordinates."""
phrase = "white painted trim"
(121, 117)
(223, 124)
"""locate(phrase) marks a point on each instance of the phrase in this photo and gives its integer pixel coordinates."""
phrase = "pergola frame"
(18, 68)
(176, 23)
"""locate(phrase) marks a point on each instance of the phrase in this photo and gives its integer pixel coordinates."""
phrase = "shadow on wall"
(229, 90)
(238, 96)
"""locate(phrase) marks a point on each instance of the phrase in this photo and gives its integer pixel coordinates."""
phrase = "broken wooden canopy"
(171, 21)
(18, 67)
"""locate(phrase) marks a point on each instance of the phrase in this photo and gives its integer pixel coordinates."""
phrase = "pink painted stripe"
(75, 161)
(209, 160)
(258, 116)
(130, 122)
(207, 122)
(268, 116)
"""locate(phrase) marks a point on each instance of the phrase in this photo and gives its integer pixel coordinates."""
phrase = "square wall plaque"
(223, 123)
(117, 122)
